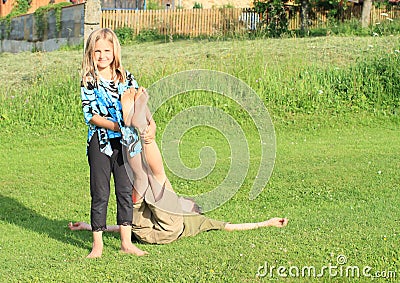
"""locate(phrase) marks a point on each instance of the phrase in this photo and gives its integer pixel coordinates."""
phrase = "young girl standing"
(103, 82)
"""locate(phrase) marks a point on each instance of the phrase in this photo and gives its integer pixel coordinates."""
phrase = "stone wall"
(23, 36)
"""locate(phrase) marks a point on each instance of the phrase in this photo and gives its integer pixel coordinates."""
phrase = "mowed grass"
(338, 187)
(335, 175)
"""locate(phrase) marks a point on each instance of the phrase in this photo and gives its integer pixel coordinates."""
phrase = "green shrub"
(148, 35)
(153, 5)
(386, 27)
(125, 35)
(274, 20)
(197, 5)
(353, 28)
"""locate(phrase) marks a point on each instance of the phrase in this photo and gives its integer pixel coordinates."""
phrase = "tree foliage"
(274, 22)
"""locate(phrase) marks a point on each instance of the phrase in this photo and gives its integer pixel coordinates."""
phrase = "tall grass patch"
(303, 76)
(43, 90)
(370, 84)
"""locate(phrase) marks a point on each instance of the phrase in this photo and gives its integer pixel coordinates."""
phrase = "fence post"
(92, 18)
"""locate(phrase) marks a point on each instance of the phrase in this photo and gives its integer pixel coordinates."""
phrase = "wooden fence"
(192, 22)
(195, 22)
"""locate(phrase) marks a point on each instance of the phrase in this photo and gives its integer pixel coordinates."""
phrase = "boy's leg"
(159, 180)
(151, 155)
(155, 168)
(139, 175)
(134, 104)
(136, 113)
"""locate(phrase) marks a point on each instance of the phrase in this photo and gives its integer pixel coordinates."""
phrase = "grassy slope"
(336, 178)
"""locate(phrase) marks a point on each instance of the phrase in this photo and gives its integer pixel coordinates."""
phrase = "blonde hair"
(89, 71)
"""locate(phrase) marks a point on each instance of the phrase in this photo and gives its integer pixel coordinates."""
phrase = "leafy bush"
(197, 5)
(274, 20)
(125, 35)
(148, 35)
(153, 5)
(386, 27)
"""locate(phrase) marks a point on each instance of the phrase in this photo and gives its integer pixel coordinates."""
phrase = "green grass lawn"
(338, 186)
(336, 173)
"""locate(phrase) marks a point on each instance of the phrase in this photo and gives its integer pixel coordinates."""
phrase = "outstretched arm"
(274, 222)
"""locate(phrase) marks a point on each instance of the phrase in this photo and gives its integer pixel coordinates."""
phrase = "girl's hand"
(116, 127)
(130, 92)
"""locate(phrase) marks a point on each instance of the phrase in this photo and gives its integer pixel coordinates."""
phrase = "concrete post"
(92, 18)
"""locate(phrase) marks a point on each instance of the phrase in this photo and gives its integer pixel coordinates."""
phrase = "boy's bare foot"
(132, 249)
(139, 119)
(134, 104)
(128, 102)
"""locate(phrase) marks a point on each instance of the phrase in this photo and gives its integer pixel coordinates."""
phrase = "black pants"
(101, 167)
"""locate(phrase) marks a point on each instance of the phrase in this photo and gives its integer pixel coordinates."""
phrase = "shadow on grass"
(14, 212)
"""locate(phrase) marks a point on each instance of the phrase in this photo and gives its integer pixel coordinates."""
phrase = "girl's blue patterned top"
(104, 98)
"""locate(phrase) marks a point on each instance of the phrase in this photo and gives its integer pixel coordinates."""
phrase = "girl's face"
(103, 54)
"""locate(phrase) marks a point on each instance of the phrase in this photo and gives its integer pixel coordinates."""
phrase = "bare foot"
(139, 119)
(79, 226)
(132, 249)
(96, 252)
(134, 108)
(128, 102)
(275, 222)
(97, 246)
